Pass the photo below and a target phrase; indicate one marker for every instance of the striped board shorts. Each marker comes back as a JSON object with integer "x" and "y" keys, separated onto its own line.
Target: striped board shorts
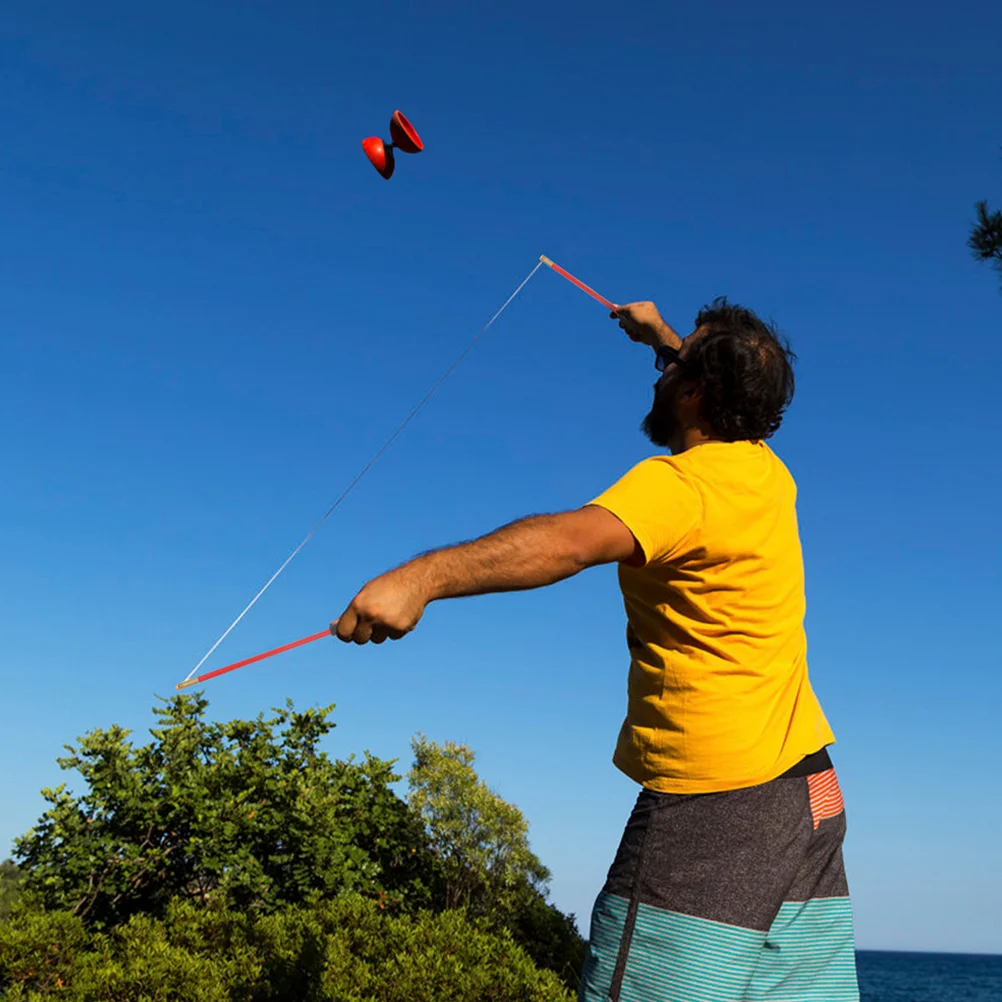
{"x": 728, "y": 897}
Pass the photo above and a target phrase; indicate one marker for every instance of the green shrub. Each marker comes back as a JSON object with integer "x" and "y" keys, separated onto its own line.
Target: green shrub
{"x": 39, "y": 950}
{"x": 345, "y": 950}
{"x": 11, "y": 879}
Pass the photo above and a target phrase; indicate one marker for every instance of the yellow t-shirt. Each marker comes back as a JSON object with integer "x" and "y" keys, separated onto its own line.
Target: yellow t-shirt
{"x": 718, "y": 693}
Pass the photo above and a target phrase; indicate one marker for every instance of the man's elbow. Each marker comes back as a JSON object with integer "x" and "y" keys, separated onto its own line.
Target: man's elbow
{"x": 596, "y": 536}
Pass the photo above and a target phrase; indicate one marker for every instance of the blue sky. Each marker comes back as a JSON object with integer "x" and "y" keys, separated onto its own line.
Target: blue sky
{"x": 214, "y": 311}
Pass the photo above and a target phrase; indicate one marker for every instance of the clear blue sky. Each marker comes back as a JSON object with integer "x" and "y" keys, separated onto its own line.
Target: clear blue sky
{"x": 213, "y": 310}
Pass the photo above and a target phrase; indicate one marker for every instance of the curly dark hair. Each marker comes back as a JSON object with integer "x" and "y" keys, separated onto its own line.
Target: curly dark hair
{"x": 746, "y": 368}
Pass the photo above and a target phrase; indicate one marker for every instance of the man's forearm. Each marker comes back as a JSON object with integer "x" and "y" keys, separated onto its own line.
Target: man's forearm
{"x": 530, "y": 553}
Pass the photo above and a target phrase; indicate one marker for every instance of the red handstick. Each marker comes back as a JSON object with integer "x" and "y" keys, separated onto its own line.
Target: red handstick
{"x": 250, "y": 661}
{"x": 585, "y": 288}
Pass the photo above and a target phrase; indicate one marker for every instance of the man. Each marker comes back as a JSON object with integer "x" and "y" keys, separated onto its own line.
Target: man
{"x": 728, "y": 884}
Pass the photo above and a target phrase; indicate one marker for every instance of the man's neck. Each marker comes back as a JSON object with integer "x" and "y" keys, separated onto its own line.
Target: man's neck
{"x": 691, "y": 437}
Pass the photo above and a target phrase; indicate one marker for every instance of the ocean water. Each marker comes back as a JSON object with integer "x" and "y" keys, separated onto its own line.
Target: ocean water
{"x": 929, "y": 977}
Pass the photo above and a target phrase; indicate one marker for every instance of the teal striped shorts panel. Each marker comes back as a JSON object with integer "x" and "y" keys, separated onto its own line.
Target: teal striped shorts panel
{"x": 727, "y": 897}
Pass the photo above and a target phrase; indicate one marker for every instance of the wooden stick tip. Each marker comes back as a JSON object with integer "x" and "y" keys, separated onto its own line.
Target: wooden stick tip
{"x": 185, "y": 684}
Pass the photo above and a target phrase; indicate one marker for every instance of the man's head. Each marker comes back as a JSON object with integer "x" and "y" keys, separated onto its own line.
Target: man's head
{"x": 733, "y": 381}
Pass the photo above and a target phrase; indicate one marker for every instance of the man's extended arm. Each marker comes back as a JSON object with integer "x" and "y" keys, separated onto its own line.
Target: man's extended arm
{"x": 530, "y": 553}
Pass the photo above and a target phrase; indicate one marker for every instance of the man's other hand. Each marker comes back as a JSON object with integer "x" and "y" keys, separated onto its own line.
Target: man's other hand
{"x": 387, "y": 608}
{"x": 644, "y": 324}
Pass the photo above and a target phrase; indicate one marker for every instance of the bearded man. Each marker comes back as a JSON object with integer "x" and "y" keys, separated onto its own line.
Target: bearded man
{"x": 728, "y": 884}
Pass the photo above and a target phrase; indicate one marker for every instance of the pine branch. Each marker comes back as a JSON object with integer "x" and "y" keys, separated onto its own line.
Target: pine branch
{"x": 985, "y": 240}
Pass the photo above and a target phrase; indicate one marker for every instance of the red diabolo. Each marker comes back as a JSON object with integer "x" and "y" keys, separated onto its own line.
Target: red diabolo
{"x": 403, "y": 137}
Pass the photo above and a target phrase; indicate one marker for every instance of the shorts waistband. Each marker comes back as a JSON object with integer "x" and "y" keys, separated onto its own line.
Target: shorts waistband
{"x": 820, "y": 761}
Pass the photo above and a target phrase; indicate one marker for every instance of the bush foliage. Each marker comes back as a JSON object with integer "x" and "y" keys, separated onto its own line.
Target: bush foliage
{"x": 226, "y": 861}
{"x": 343, "y": 950}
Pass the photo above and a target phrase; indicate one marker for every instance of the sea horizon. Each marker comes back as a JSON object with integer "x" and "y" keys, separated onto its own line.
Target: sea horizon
{"x": 934, "y": 953}
{"x": 928, "y": 976}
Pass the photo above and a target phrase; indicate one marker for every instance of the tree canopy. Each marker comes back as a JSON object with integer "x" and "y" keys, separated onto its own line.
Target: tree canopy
{"x": 248, "y": 814}
{"x": 480, "y": 841}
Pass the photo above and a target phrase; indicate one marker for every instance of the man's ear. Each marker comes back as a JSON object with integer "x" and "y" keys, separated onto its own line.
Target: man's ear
{"x": 689, "y": 402}
{"x": 690, "y": 393}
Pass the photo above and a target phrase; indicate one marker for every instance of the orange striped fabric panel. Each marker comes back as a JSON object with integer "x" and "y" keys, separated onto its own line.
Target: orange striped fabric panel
{"x": 826, "y": 796}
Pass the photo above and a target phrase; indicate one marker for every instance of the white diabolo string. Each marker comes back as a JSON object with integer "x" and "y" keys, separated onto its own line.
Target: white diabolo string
{"x": 365, "y": 469}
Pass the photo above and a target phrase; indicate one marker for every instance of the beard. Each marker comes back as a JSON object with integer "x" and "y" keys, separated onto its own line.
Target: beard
{"x": 660, "y": 424}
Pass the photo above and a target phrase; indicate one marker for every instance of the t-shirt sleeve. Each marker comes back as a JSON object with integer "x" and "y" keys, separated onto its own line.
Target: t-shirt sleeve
{"x": 657, "y": 504}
